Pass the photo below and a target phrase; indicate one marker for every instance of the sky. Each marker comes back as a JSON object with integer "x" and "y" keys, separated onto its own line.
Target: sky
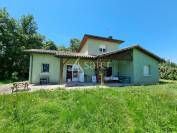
{"x": 149, "y": 23}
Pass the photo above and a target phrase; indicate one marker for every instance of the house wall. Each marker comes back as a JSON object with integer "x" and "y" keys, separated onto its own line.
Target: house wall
{"x": 36, "y": 61}
{"x": 87, "y": 65}
{"x": 91, "y": 47}
{"x": 84, "y": 49}
{"x": 139, "y": 60}
{"x": 125, "y": 68}
{"x": 114, "y": 65}
{"x": 133, "y": 69}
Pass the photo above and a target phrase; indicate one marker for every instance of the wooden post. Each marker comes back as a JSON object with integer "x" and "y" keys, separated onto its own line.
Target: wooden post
{"x": 102, "y": 73}
{"x": 61, "y": 70}
{"x": 100, "y": 70}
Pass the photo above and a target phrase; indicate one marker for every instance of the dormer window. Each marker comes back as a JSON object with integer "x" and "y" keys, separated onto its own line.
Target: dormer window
{"x": 102, "y": 49}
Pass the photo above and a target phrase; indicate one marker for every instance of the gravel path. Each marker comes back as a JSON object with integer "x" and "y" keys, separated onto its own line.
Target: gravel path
{"x": 5, "y": 89}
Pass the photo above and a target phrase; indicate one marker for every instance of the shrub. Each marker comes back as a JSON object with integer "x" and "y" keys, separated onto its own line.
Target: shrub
{"x": 14, "y": 76}
{"x": 168, "y": 70}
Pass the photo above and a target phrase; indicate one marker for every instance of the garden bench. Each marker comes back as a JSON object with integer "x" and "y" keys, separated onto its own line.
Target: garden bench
{"x": 20, "y": 86}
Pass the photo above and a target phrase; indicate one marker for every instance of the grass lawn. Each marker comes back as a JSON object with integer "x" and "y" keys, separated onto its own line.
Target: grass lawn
{"x": 138, "y": 109}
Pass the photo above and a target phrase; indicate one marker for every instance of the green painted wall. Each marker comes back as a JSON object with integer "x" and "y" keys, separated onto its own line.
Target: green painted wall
{"x": 38, "y": 60}
{"x": 114, "y": 65}
{"x": 139, "y": 60}
{"x": 125, "y": 68}
{"x": 92, "y": 46}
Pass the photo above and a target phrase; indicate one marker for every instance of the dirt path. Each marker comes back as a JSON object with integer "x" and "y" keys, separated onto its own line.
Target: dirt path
{"x": 5, "y": 89}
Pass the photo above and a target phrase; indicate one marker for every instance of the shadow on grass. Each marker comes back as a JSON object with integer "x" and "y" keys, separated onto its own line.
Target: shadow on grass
{"x": 163, "y": 81}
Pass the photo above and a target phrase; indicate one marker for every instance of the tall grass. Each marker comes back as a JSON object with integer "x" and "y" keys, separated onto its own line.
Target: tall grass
{"x": 122, "y": 109}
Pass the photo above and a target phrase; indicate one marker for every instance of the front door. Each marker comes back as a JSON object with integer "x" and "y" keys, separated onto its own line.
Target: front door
{"x": 69, "y": 73}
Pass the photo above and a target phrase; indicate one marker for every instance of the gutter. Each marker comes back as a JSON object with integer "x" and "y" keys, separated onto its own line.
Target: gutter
{"x": 31, "y": 68}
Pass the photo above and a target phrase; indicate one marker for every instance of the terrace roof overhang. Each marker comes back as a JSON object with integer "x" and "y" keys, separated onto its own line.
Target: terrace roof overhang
{"x": 120, "y": 54}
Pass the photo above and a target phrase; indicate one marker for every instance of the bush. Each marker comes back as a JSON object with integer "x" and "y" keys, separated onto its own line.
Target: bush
{"x": 168, "y": 70}
{"x": 14, "y": 76}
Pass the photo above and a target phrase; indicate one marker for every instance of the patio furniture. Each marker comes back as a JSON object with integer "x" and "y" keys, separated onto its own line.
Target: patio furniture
{"x": 111, "y": 79}
{"x": 44, "y": 78}
{"x": 19, "y": 86}
{"x": 124, "y": 79}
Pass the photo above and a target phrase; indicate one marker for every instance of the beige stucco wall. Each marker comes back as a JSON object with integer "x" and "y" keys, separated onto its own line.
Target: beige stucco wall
{"x": 91, "y": 47}
{"x": 36, "y": 61}
{"x": 84, "y": 49}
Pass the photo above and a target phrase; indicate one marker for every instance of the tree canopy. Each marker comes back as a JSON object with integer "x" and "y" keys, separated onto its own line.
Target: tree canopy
{"x": 73, "y": 46}
{"x": 168, "y": 70}
{"x": 16, "y": 36}
{"x": 50, "y": 45}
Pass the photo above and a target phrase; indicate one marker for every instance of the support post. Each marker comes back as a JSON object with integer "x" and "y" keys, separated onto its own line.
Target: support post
{"x": 61, "y": 70}
{"x": 102, "y": 74}
{"x": 100, "y": 70}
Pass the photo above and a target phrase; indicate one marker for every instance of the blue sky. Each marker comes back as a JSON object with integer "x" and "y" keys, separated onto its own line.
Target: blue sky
{"x": 150, "y": 23}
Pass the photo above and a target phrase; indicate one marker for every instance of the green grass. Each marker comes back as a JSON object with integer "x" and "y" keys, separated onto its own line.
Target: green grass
{"x": 123, "y": 109}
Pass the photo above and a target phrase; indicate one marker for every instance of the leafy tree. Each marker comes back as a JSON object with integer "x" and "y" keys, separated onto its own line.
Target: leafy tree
{"x": 168, "y": 70}
{"x": 63, "y": 48}
{"x": 8, "y": 42}
{"x": 15, "y": 36}
{"x": 50, "y": 45}
{"x": 74, "y": 45}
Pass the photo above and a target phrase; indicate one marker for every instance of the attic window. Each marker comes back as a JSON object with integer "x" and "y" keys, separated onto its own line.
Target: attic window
{"x": 102, "y": 49}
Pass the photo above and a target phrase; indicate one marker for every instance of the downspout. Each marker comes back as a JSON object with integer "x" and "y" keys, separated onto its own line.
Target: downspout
{"x": 31, "y": 68}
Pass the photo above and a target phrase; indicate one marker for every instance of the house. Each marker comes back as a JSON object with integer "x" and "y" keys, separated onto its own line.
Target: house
{"x": 98, "y": 59}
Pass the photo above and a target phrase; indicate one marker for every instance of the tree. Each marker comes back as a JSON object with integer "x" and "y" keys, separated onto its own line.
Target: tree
{"x": 168, "y": 70}
{"x": 8, "y": 43}
{"x": 74, "y": 45}
{"x": 62, "y": 48}
{"x": 50, "y": 45}
{"x": 16, "y": 36}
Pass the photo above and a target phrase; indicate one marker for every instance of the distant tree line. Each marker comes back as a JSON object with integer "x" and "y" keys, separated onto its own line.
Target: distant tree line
{"x": 168, "y": 70}
{"x": 15, "y": 37}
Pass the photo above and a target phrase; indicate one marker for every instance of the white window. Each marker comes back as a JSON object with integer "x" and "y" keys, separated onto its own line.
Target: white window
{"x": 146, "y": 70}
{"x": 102, "y": 49}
